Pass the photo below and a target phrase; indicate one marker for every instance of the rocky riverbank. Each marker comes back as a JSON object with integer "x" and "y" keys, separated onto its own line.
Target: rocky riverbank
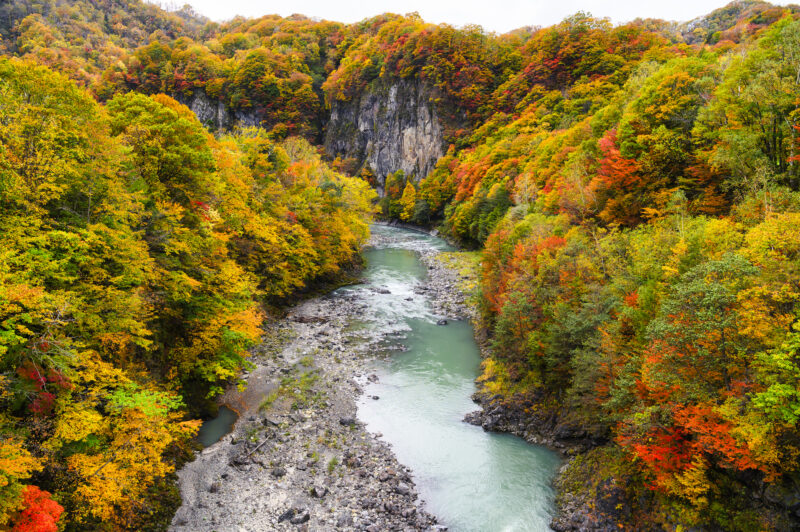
{"x": 298, "y": 458}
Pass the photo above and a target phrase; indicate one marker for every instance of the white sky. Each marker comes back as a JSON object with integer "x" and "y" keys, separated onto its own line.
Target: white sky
{"x": 494, "y": 15}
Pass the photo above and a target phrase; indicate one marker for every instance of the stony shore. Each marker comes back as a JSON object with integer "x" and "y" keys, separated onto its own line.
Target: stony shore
{"x": 306, "y": 462}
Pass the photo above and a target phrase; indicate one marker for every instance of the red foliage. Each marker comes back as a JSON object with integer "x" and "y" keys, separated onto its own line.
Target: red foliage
{"x": 202, "y": 208}
{"x": 632, "y": 299}
{"x": 712, "y": 435}
{"x": 40, "y": 513}
{"x": 46, "y": 382}
{"x": 618, "y": 172}
{"x": 665, "y": 451}
{"x": 469, "y": 176}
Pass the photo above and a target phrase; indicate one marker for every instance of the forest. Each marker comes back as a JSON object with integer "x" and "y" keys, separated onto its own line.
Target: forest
{"x": 634, "y": 190}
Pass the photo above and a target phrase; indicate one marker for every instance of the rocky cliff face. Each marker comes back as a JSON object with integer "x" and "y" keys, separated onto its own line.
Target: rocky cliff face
{"x": 390, "y": 128}
{"x": 215, "y": 115}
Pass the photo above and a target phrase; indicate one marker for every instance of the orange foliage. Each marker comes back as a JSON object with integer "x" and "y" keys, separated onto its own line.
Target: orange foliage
{"x": 617, "y": 172}
{"x": 711, "y": 434}
{"x": 40, "y": 513}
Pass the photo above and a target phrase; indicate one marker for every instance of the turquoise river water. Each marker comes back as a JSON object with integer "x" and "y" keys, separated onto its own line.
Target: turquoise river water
{"x": 470, "y": 479}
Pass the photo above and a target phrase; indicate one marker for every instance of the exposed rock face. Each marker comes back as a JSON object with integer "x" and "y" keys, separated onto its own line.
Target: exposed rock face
{"x": 214, "y": 114}
{"x": 390, "y": 128}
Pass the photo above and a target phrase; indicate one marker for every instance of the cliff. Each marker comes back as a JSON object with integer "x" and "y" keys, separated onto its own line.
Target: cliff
{"x": 216, "y": 115}
{"x": 388, "y": 128}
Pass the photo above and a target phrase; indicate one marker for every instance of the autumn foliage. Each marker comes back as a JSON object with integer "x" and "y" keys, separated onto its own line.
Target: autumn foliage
{"x": 140, "y": 254}
{"x": 634, "y": 190}
{"x": 40, "y": 513}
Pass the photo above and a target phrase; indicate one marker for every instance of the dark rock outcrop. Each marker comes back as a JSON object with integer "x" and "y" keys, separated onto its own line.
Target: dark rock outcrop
{"x": 542, "y": 426}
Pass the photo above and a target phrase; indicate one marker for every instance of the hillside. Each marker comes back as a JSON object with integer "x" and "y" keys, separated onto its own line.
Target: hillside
{"x": 634, "y": 191}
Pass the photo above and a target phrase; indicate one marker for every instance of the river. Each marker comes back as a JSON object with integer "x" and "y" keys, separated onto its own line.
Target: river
{"x": 470, "y": 479}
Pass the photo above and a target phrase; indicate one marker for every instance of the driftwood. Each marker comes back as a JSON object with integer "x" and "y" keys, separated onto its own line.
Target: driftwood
{"x": 257, "y": 447}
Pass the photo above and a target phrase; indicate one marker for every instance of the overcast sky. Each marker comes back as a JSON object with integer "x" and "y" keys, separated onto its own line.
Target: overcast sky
{"x": 494, "y": 15}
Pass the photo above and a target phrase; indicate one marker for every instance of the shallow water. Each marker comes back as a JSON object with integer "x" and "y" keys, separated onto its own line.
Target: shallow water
{"x": 214, "y": 429}
{"x": 470, "y": 479}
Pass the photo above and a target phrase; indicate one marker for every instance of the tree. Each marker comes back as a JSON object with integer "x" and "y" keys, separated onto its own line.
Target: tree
{"x": 40, "y": 513}
{"x": 408, "y": 201}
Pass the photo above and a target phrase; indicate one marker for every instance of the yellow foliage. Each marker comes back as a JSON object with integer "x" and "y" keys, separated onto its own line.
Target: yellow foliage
{"x": 75, "y": 422}
{"x": 679, "y": 250}
{"x": 693, "y": 484}
{"x": 115, "y": 479}
{"x": 408, "y": 201}
{"x": 16, "y": 463}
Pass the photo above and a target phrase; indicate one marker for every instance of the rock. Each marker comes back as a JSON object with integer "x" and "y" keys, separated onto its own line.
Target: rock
{"x": 302, "y": 517}
{"x": 214, "y": 487}
{"x": 344, "y": 520}
{"x": 270, "y": 421}
{"x": 278, "y": 472}
{"x": 388, "y": 128}
{"x": 309, "y": 319}
{"x": 318, "y": 491}
{"x": 209, "y": 112}
{"x": 402, "y": 488}
{"x": 239, "y": 460}
{"x": 347, "y": 421}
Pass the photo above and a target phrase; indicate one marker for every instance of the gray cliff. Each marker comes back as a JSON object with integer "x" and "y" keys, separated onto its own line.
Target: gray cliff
{"x": 394, "y": 127}
{"x": 215, "y": 115}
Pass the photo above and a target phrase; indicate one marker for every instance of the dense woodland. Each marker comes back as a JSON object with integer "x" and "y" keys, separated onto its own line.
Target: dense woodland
{"x": 635, "y": 190}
